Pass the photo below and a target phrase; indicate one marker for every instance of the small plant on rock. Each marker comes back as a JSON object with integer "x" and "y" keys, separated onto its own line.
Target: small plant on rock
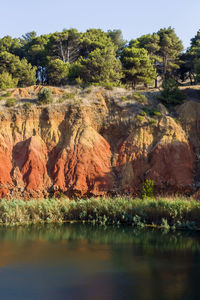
{"x": 140, "y": 98}
{"x": 140, "y": 118}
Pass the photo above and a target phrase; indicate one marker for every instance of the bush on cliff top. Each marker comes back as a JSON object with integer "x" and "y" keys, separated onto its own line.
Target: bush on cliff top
{"x": 45, "y": 96}
{"x": 170, "y": 94}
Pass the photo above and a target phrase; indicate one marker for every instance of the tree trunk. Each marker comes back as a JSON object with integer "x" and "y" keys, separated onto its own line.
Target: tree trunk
{"x": 164, "y": 67}
{"x": 156, "y": 83}
{"x": 62, "y": 52}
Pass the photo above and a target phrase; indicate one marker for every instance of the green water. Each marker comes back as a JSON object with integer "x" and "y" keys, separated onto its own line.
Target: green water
{"x": 75, "y": 261}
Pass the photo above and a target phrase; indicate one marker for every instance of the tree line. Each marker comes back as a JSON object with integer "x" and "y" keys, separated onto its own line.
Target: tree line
{"x": 97, "y": 57}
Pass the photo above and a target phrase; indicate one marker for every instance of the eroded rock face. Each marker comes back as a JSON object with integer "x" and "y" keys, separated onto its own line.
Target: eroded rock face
{"x": 83, "y": 165}
{"x": 30, "y": 166}
{"x": 91, "y": 150}
{"x": 160, "y": 153}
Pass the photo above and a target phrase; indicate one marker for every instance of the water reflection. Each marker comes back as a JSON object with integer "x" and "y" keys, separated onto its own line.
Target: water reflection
{"x": 76, "y": 261}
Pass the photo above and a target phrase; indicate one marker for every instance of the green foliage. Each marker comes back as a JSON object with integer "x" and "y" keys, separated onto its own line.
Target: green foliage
{"x": 176, "y": 213}
{"x": 117, "y": 39}
{"x": 190, "y": 61}
{"x": 46, "y": 58}
{"x": 124, "y": 98}
{"x": 170, "y": 94}
{"x": 150, "y": 42}
{"x": 69, "y": 95}
{"x": 10, "y": 102}
{"x": 7, "y": 94}
{"x": 45, "y": 96}
{"x": 140, "y": 118}
{"x": 164, "y": 48}
{"x": 64, "y": 45}
{"x": 100, "y": 67}
{"x": 139, "y": 98}
{"x": 8, "y": 44}
{"x": 108, "y": 86}
{"x": 36, "y": 50}
{"x": 7, "y": 81}
{"x": 152, "y": 112}
{"x": 79, "y": 81}
{"x": 152, "y": 121}
{"x": 57, "y": 72}
{"x": 20, "y": 70}
{"x": 138, "y": 66}
{"x": 143, "y": 113}
{"x": 147, "y": 189}
{"x": 87, "y": 90}
{"x": 28, "y": 37}
{"x": 27, "y": 105}
{"x": 165, "y": 224}
{"x": 170, "y": 49}
{"x": 196, "y": 63}
{"x": 157, "y": 113}
{"x": 94, "y": 39}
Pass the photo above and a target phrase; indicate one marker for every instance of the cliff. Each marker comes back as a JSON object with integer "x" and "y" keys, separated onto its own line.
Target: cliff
{"x": 95, "y": 144}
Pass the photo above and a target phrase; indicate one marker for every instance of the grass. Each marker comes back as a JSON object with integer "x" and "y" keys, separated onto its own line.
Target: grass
{"x": 27, "y": 105}
{"x": 7, "y": 94}
{"x": 10, "y": 102}
{"x": 140, "y": 118}
{"x": 167, "y": 213}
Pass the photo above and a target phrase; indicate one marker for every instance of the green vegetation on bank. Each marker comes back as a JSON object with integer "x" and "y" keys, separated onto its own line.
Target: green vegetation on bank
{"x": 168, "y": 213}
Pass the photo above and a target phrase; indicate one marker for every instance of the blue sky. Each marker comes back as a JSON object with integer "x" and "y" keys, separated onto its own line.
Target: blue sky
{"x": 134, "y": 18}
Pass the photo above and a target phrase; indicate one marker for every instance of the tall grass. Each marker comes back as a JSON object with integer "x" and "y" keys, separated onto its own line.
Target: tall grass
{"x": 166, "y": 212}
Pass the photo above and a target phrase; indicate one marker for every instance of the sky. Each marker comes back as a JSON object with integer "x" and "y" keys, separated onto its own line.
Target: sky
{"x": 134, "y": 18}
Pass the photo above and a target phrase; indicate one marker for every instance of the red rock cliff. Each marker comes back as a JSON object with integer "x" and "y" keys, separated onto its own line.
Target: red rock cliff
{"x": 92, "y": 149}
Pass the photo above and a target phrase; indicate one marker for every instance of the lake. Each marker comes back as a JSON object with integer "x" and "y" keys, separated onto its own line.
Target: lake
{"x": 78, "y": 261}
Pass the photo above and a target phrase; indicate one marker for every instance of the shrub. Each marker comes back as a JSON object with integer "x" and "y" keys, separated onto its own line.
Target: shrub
{"x": 67, "y": 96}
{"x": 143, "y": 113}
{"x": 27, "y": 105}
{"x": 79, "y": 81}
{"x": 108, "y": 86}
{"x": 147, "y": 189}
{"x": 8, "y": 94}
{"x": 124, "y": 98}
{"x": 70, "y": 95}
{"x": 88, "y": 90}
{"x": 151, "y": 112}
{"x": 45, "y": 96}
{"x": 156, "y": 113}
{"x": 11, "y": 102}
{"x": 137, "y": 96}
{"x": 140, "y": 118}
{"x": 170, "y": 94}
{"x": 152, "y": 121}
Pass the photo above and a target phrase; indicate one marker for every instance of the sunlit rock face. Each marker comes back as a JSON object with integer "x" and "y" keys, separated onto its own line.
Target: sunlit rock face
{"x": 97, "y": 148}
